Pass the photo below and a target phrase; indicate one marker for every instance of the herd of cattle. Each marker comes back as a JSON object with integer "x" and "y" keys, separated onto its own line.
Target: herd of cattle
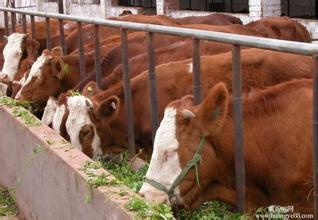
{"x": 277, "y": 105}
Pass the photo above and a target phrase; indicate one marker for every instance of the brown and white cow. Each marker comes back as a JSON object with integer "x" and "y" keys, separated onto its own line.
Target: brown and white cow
{"x": 52, "y": 74}
{"x": 260, "y": 68}
{"x": 15, "y": 50}
{"x": 18, "y": 48}
{"x": 277, "y": 142}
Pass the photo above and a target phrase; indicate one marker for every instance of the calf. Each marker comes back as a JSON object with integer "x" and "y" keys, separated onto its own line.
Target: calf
{"x": 260, "y": 68}
{"x": 277, "y": 142}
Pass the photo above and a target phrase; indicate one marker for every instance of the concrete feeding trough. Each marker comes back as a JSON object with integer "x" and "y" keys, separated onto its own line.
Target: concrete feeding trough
{"x": 45, "y": 174}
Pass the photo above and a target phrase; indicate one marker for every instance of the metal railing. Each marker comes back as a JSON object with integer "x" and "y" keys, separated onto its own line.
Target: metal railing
{"x": 236, "y": 40}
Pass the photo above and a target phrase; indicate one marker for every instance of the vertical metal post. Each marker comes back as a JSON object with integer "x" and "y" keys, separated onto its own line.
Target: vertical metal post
{"x": 48, "y": 34}
{"x": 196, "y": 63}
{"x": 60, "y": 6}
{"x": 152, "y": 85}
{"x": 238, "y": 128}
{"x": 24, "y": 24}
{"x": 128, "y": 96}
{"x": 98, "y": 69}
{"x": 13, "y": 22}
{"x": 6, "y": 23}
{"x": 81, "y": 50}
{"x": 62, "y": 36}
{"x": 288, "y": 8}
{"x": 315, "y": 134}
{"x": 32, "y": 27}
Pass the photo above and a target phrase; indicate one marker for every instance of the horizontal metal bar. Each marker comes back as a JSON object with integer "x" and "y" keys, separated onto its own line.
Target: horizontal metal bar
{"x": 242, "y": 40}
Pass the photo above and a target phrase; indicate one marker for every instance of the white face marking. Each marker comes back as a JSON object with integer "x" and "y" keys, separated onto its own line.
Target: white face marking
{"x": 164, "y": 164}
{"x": 58, "y": 117}
{"x": 190, "y": 67}
{"x": 77, "y": 118}
{"x": 49, "y": 111}
{"x": 36, "y": 71}
{"x": 12, "y": 54}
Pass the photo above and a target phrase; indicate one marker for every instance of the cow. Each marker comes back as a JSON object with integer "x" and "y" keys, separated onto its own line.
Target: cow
{"x": 277, "y": 142}
{"x": 52, "y": 74}
{"x": 18, "y": 47}
{"x": 106, "y": 109}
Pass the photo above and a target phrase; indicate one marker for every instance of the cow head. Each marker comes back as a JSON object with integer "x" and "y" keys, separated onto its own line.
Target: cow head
{"x": 176, "y": 142}
{"x": 45, "y": 78}
{"x": 90, "y": 126}
{"x": 18, "y": 47}
{"x": 80, "y": 127}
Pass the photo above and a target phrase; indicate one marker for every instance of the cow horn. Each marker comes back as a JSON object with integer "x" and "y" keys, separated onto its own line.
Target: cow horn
{"x": 187, "y": 114}
{"x": 5, "y": 36}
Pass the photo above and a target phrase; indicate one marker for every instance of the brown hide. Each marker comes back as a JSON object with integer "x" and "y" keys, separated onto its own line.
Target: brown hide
{"x": 281, "y": 28}
{"x": 261, "y": 68}
{"x": 212, "y": 19}
{"x": 183, "y": 50}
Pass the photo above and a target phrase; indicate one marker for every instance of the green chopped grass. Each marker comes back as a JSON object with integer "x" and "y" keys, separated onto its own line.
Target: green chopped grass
{"x": 148, "y": 210}
{"x": 19, "y": 110}
{"x": 7, "y": 206}
{"x": 4, "y": 100}
{"x": 29, "y": 119}
{"x": 96, "y": 180}
{"x": 123, "y": 172}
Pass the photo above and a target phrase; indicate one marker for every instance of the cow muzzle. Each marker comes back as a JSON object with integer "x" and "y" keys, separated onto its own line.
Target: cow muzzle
{"x": 152, "y": 194}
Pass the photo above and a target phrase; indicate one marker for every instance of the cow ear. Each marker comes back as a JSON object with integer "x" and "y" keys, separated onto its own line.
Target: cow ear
{"x": 32, "y": 47}
{"x": 109, "y": 108}
{"x": 90, "y": 89}
{"x": 212, "y": 111}
{"x": 57, "y": 67}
